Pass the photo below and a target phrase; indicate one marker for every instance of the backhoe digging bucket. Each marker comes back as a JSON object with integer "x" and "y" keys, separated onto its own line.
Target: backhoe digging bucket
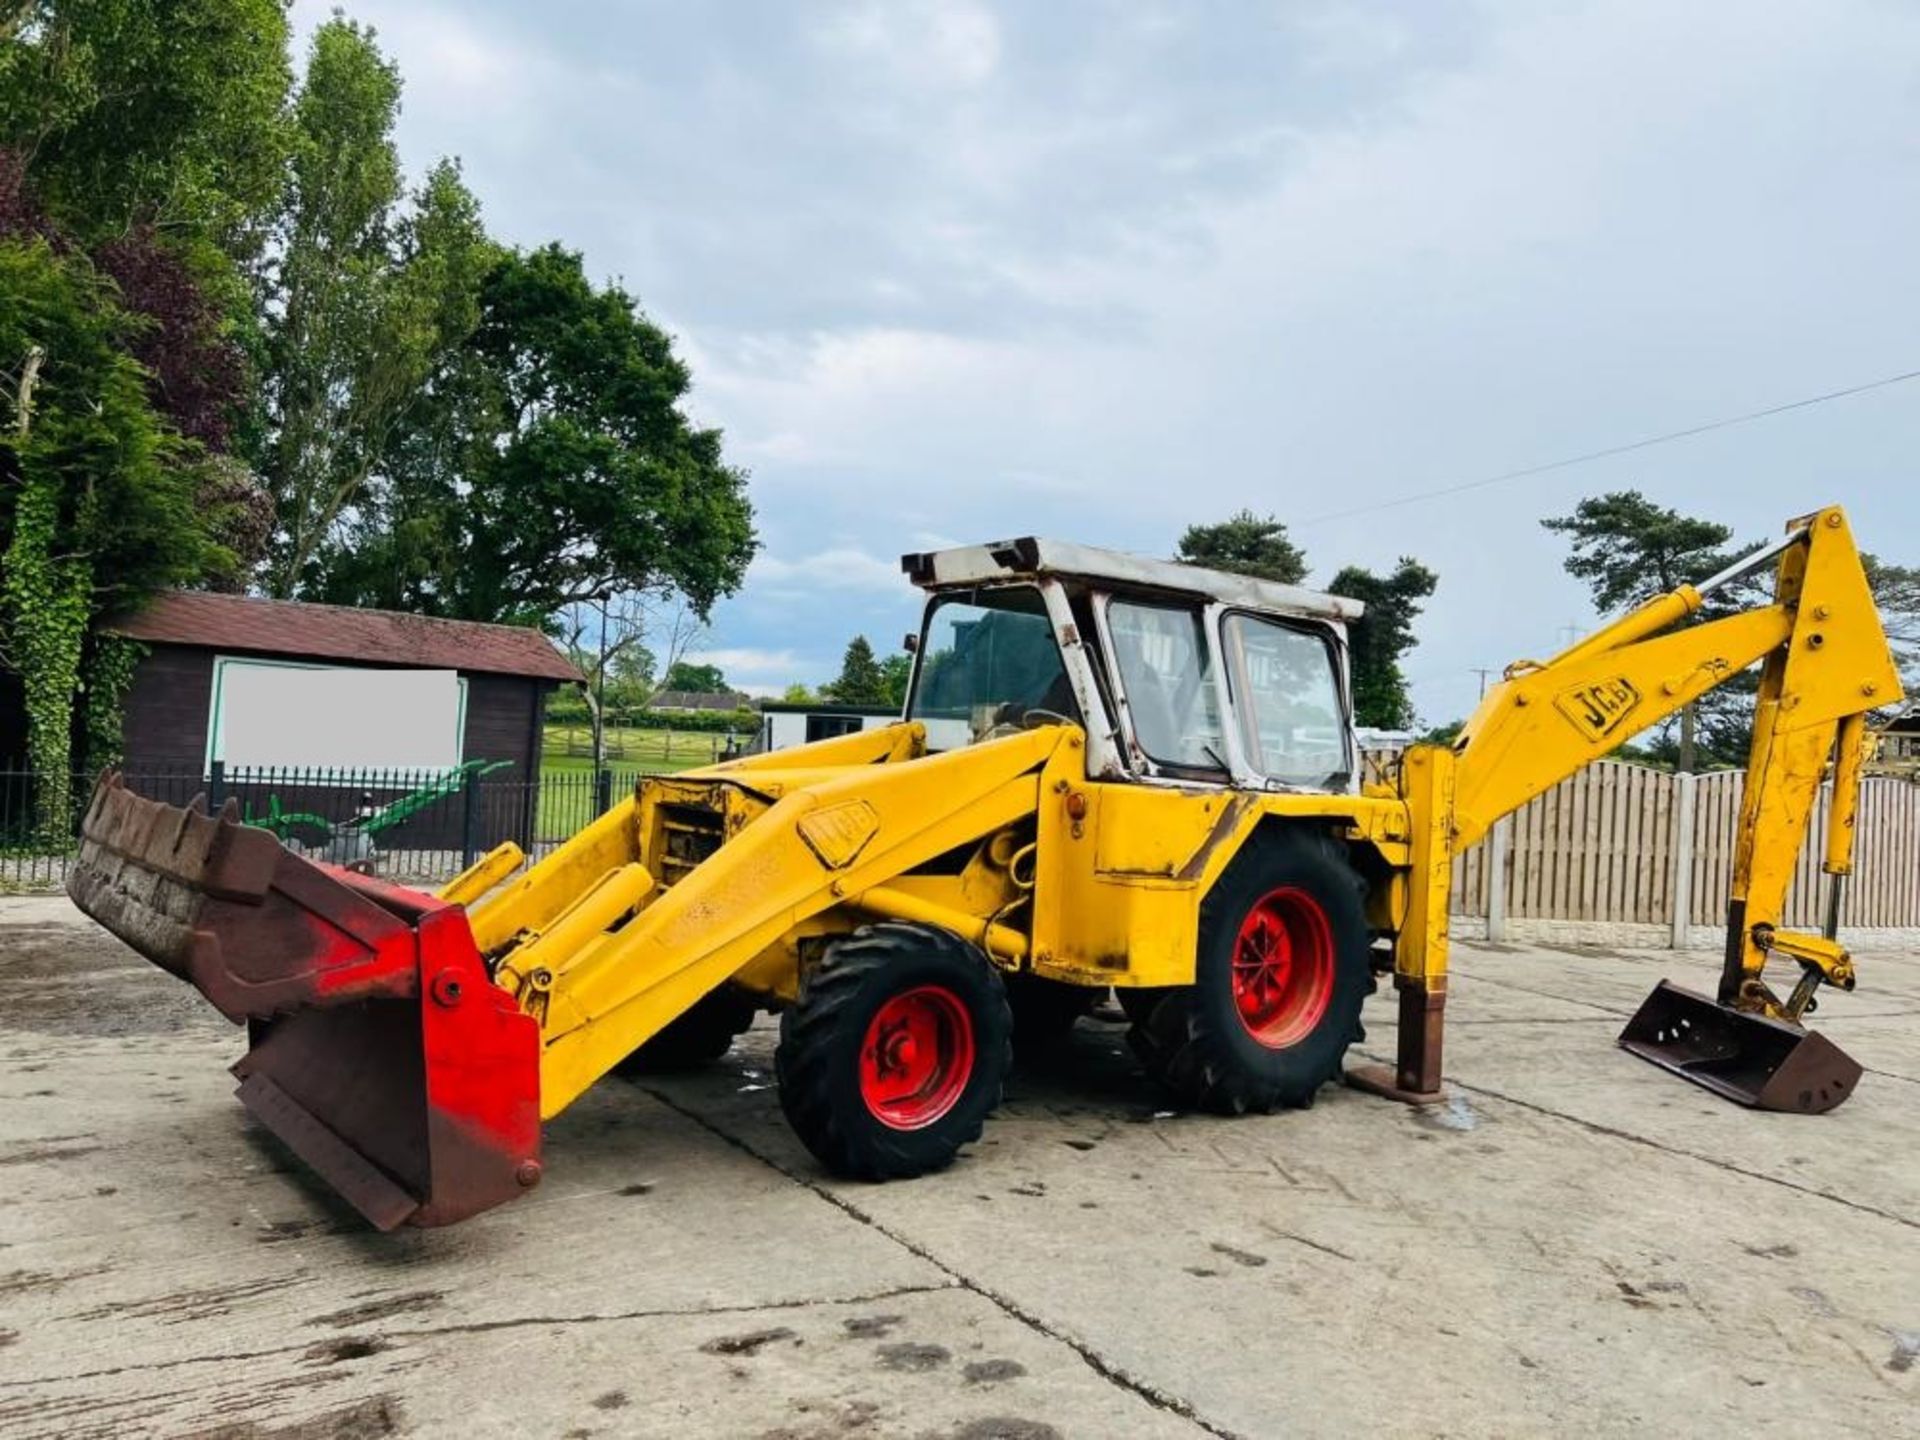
{"x": 1752, "y": 1059}
{"x": 381, "y": 1053}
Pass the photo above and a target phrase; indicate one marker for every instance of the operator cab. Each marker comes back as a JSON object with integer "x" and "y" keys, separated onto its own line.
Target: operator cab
{"x": 1177, "y": 674}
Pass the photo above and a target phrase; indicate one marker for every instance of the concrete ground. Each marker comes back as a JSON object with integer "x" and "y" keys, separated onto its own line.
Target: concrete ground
{"x": 1576, "y": 1243}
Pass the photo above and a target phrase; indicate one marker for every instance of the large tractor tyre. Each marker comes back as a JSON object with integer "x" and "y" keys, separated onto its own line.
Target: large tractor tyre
{"x": 895, "y": 1052}
{"x": 1279, "y": 979}
{"x": 1137, "y": 1002}
{"x": 699, "y": 1037}
{"x": 1044, "y": 1011}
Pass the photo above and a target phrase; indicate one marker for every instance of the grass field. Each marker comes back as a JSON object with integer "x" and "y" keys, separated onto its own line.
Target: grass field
{"x": 567, "y": 799}
{"x": 654, "y": 752}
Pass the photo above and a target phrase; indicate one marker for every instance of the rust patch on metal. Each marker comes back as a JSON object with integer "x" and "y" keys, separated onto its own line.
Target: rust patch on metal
{"x": 1223, "y": 827}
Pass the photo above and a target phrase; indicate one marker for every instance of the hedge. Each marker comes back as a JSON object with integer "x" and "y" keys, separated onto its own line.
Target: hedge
{"x": 723, "y": 722}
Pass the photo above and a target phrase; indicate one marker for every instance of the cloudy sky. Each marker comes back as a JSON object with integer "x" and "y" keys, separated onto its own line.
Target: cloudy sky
{"x": 953, "y": 271}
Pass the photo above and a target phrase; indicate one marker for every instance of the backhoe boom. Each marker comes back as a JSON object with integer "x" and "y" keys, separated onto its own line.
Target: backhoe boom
{"x": 1825, "y": 664}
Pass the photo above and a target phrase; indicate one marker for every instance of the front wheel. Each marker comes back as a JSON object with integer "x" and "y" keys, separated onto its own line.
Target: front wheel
{"x": 699, "y": 1037}
{"x": 1045, "y": 1011}
{"x": 895, "y": 1052}
{"x": 1279, "y": 979}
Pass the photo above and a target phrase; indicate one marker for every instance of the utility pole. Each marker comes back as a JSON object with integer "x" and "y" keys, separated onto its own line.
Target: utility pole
{"x": 1483, "y": 671}
{"x": 600, "y": 694}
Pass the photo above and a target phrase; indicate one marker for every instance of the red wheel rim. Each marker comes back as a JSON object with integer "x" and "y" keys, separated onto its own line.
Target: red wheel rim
{"x": 1283, "y": 967}
{"x": 917, "y": 1057}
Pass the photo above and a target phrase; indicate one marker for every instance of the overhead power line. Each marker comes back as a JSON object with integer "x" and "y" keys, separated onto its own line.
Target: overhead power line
{"x": 1611, "y": 450}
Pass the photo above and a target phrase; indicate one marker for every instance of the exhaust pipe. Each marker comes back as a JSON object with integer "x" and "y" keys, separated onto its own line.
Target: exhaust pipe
{"x": 381, "y": 1052}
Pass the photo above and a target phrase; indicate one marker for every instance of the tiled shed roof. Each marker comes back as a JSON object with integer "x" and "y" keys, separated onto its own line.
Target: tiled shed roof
{"x": 343, "y": 632}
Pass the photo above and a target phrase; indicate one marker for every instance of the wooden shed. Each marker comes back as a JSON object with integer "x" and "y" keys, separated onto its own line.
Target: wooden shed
{"x": 180, "y": 708}
{"x": 235, "y": 685}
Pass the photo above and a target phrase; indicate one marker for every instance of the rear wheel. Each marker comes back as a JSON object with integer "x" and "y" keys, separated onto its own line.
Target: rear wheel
{"x": 1044, "y": 1011}
{"x": 699, "y": 1037}
{"x": 895, "y": 1052}
{"x": 1137, "y": 1002}
{"x": 1280, "y": 977}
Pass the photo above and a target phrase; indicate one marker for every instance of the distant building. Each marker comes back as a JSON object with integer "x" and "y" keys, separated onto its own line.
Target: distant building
{"x": 1899, "y": 749}
{"x": 784, "y": 725}
{"x": 1389, "y": 742}
{"x": 696, "y": 700}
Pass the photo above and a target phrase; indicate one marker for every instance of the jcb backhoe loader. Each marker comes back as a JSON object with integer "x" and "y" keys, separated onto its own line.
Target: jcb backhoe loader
{"x": 1112, "y": 772}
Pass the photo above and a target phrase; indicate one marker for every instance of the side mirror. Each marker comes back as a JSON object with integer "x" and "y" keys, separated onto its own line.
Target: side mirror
{"x": 910, "y": 643}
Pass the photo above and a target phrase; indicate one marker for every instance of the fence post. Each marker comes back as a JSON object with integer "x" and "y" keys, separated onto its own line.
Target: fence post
{"x": 470, "y": 818}
{"x": 216, "y": 786}
{"x": 1497, "y": 841}
{"x": 602, "y": 790}
{"x": 1683, "y": 804}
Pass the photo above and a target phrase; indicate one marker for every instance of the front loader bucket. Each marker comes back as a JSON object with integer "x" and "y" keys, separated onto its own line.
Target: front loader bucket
{"x": 1752, "y": 1059}
{"x": 381, "y": 1052}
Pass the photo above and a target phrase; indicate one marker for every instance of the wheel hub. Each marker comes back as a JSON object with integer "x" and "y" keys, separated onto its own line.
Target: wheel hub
{"x": 917, "y": 1057}
{"x": 1283, "y": 967}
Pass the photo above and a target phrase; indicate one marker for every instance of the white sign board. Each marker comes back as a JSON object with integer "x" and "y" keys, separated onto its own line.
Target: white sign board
{"x": 277, "y": 714}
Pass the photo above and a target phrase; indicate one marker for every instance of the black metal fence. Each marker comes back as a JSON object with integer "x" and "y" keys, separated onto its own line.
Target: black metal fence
{"x": 419, "y": 825}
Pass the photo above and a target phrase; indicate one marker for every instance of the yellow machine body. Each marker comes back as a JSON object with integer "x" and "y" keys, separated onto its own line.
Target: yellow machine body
{"x": 1054, "y": 845}
{"x": 731, "y": 873}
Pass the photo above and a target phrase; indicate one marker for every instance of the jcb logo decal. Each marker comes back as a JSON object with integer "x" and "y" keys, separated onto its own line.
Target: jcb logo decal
{"x": 1598, "y": 709}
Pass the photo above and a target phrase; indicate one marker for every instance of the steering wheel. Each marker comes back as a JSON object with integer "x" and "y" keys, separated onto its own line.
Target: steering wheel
{"x": 1037, "y": 716}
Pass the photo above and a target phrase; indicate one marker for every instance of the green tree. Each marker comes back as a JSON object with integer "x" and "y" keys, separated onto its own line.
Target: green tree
{"x": 797, "y": 694}
{"x": 135, "y": 113}
{"x": 96, "y": 508}
{"x": 695, "y": 679}
{"x": 861, "y": 680}
{"x": 633, "y": 670}
{"x": 1629, "y": 550}
{"x": 1896, "y": 590}
{"x": 361, "y": 302}
{"x": 1246, "y": 544}
{"x": 559, "y": 467}
{"x": 139, "y": 145}
{"x": 896, "y": 671}
{"x": 1381, "y": 637}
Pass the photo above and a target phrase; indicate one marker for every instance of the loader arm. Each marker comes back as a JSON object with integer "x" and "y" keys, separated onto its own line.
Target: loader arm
{"x": 1825, "y": 664}
{"x": 807, "y": 840}
{"x": 408, "y": 1046}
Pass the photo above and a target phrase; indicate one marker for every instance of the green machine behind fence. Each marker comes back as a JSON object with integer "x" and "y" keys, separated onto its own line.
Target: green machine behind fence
{"x": 353, "y": 842}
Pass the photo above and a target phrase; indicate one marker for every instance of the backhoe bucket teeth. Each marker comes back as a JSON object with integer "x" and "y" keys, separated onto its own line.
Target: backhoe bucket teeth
{"x": 1751, "y": 1059}
{"x": 381, "y": 1052}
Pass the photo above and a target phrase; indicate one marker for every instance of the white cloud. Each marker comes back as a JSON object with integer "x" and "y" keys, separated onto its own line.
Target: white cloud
{"x": 746, "y": 660}
{"x": 1104, "y": 270}
{"x": 844, "y": 568}
{"x": 914, "y": 43}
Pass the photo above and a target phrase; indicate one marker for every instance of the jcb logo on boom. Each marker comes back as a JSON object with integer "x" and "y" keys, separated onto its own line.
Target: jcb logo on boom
{"x": 1598, "y": 709}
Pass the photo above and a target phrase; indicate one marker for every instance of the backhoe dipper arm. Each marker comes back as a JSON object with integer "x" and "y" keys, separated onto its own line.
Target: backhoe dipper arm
{"x": 1826, "y": 664}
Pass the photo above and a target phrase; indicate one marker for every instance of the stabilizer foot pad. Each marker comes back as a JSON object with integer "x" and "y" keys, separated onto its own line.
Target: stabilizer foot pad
{"x": 1384, "y": 1081}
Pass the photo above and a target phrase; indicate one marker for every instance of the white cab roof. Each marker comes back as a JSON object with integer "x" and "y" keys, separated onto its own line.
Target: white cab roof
{"x": 999, "y": 561}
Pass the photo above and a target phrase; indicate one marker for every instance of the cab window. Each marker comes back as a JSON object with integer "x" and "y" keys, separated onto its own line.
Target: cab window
{"x": 1286, "y": 691}
{"x": 1166, "y": 674}
{"x": 989, "y": 663}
